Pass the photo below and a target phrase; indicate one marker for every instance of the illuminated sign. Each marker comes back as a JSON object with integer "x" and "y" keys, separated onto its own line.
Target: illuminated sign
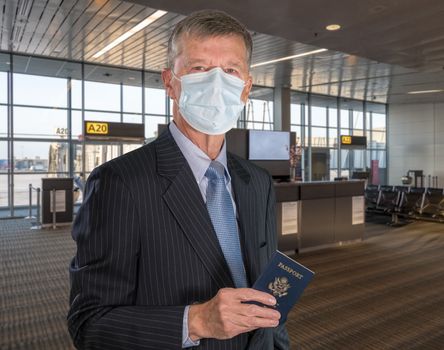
{"x": 346, "y": 140}
{"x": 96, "y": 128}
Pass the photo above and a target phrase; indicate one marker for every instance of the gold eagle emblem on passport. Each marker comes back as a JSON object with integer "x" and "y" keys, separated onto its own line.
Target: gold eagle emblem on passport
{"x": 279, "y": 287}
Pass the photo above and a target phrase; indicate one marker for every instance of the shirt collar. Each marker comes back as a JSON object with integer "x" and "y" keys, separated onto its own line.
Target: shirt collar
{"x": 197, "y": 159}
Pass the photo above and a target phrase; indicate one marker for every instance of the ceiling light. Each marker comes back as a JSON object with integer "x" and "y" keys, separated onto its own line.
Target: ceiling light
{"x": 424, "y": 92}
{"x": 333, "y": 27}
{"x": 146, "y": 22}
{"x": 288, "y": 58}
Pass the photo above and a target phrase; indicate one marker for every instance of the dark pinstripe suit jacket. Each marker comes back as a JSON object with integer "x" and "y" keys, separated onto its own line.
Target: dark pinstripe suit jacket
{"x": 146, "y": 248}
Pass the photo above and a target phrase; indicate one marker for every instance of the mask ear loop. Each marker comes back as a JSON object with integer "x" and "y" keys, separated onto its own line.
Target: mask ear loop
{"x": 178, "y": 79}
{"x": 175, "y": 76}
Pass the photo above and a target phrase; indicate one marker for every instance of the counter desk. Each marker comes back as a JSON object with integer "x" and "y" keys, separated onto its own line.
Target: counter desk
{"x": 313, "y": 215}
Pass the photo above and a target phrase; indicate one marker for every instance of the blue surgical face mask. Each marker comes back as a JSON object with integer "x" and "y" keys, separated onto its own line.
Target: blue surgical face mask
{"x": 211, "y": 101}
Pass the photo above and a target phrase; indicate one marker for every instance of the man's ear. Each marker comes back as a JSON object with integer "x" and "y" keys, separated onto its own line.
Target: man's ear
{"x": 167, "y": 77}
{"x": 247, "y": 89}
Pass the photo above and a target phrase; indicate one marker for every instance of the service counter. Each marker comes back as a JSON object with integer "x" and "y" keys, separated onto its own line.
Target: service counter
{"x": 312, "y": 215}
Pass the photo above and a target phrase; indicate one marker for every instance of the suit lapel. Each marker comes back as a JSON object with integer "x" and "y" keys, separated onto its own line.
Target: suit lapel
{"x": 182, "y": 196}
{"x": 245, "y": 203}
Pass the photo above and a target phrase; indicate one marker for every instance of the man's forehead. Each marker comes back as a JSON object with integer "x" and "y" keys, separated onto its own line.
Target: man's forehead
{"x": 200, "y": 38}
{"x": 199, "y": 41}
{"x": 205, "y": 36}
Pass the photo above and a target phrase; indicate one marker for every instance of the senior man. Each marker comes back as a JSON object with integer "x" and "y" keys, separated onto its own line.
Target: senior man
{"x": 171, "y": 236}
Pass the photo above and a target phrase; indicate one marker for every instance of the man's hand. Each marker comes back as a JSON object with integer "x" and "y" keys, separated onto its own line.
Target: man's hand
{"x": 225, "y": 316}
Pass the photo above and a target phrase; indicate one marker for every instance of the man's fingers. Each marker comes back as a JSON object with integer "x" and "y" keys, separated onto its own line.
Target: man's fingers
{"x": 248, "y": 323}
{"x": 249, "y": 294}
{"x": 251, "y": 310}
{"x": 229, "y": 303}
{"x": 229, "y": 314}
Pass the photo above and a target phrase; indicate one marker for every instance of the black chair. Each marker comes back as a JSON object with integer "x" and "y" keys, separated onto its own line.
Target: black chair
{"x": 402, "y": 188}
{"x": 371, "y": 195}
{"x": 388, "y": 199}
{"x": 411, "y": 202}
{"x": 433, "y": 204}
{"x": 388, "y": 202}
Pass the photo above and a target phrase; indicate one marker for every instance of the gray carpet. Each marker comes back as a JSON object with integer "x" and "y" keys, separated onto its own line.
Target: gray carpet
{"x": 384, "y": 293}
{"x": 33, "y": 286}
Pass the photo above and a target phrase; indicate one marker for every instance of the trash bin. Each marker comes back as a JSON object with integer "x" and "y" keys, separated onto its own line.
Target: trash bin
{"x": 63, "y": 195}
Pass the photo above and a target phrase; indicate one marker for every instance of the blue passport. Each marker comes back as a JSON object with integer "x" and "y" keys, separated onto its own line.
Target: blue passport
{"x": 286, "y": 280}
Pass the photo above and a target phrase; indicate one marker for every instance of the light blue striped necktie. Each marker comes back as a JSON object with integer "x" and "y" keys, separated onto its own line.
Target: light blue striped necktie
{"x": 222, "y": 216}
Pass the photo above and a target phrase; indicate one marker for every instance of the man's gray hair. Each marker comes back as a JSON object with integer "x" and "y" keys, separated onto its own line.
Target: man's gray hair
{"x": 207, "y": 23}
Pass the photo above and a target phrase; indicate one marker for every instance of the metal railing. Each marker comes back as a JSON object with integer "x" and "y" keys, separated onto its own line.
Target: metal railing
{"x": 433, "y": 181}
{"x": 36, "y": 225}
{"x": 54, "y": 209}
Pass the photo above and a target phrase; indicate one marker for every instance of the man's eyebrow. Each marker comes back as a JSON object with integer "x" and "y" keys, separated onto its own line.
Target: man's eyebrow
{"x": 192, "y": 60}
{"x": 236, "y": 64}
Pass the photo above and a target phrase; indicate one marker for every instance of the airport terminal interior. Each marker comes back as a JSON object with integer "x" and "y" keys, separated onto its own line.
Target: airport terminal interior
{"x": 346, "y": 113}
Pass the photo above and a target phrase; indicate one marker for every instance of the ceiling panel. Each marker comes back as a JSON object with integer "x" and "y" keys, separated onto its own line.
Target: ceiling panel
{"x": 98, "y": 34}
{"x": 8, "y": 15}
{"x": 385, "y": 49}
{"x": 44, "y": 66}
{"x": 46, "y": 25}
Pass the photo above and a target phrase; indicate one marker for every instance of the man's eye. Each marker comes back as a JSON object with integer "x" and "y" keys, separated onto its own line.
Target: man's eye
{"x": 198, "y": 69}
{"x": 231, "y": 71}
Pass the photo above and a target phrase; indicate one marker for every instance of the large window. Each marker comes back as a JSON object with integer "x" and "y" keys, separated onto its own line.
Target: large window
{"x": 155, "y": 105}
{"x": 49, "y": 107}
{"x": 376, "y": 131}
{"x": 48, "y": 157}
{"x": 4, "y": 161}
{"x": 3, "y": 121}
{"x": 4, "y": 69}
{"x": 298, "y": 115}
{"x": 40, "y": 122}
{"x": 3, "y": 190}
{"x": 4, "y": 165}
{"x": 259, "y": 109}
{"x": 34, "y": 90}
{"x": 319, "y": 126}
{"x": 51, "y": 99}
{"x": 3, "y": 87}
{"x": 318, "y": 116}
{"x": 102, "y": 96}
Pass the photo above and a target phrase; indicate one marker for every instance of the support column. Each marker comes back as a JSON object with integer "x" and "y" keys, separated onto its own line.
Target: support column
{"x": 281, "y": 109}
{"x": 10, "y": 142}
{"x": 309, "y": 139}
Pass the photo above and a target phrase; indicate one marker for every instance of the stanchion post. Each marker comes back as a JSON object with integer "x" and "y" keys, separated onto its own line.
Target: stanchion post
{"x": 53, "y": 193}
{"x": 30, "y": 203}
{"x": 37, "y": 225}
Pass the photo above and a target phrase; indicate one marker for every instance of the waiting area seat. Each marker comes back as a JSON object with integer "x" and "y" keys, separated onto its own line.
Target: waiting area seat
{"x": 407, "y": 202}
{"x": 388, "y": 199}
{"x": 411, "y": 202}
{"x": 371, "y": 195}
{"x": 433, "y": 203}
